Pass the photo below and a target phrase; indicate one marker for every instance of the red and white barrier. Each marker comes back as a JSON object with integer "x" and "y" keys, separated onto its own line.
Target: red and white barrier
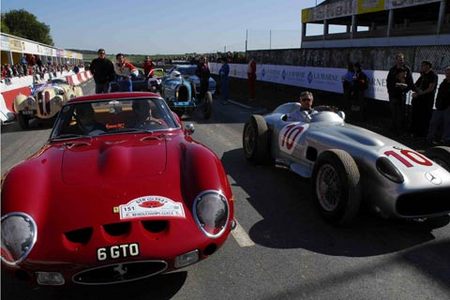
{"x": 12, "y": 87}
{"x": 5, "y": 114}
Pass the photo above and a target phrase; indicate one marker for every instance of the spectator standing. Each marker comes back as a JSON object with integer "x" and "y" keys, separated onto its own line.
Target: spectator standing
{"x": 203, "y": 73}
{"x": 251, "y": 76}
{"x": 423, "y": 99}
{"x": 148, "y": 67}
{"x": 124, "y": 71}
{"x": 103, "y": 71}
{"x": 347, "y": 86}
{"x": 441, "y": 116}
{"x": 360, "y": 85}
{"x": 224, "y": 80}
{"x": 399, "y": 81}
{"x": 76, "y": 69}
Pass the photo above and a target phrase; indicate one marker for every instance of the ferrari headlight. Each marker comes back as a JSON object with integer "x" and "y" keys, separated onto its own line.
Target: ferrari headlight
{"x": 19, "y": 233}
{"x": 388, "y": 170}
{"x": 211, "y": 213}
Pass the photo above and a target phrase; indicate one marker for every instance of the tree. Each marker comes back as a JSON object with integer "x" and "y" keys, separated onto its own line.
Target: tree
{"x": 24, "y": 24}
{"x": 4, "y": 28}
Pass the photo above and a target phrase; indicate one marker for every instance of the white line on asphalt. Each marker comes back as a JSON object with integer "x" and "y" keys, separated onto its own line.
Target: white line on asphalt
{"x": 241, "y": 236}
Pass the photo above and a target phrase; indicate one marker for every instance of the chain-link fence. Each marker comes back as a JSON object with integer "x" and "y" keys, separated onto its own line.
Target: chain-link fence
{"x": 379, "y": 58}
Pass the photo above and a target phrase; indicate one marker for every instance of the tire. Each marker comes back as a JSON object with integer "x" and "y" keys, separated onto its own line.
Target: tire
{"x": 23, "y": 121}
{"x": 440, "y": 155}
{"x": 336, "y": 186}
{"x": 255, "y": 140}
{"x": 207, "y": 106}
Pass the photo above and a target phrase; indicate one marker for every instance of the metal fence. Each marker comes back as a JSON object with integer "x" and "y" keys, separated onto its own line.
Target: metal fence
{"x": 379, "y": 58}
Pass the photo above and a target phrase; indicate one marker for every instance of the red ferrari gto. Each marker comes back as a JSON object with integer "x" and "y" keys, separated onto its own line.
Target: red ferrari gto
{"x": 119, "y": 192}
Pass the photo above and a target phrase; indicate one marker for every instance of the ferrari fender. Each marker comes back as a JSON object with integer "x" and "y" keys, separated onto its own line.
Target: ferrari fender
{"x": 201, "y": 170}
{"x": 27, "y": 188}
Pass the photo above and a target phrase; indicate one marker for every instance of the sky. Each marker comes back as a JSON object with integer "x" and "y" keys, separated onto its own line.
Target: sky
{"x": 168, "y": 26}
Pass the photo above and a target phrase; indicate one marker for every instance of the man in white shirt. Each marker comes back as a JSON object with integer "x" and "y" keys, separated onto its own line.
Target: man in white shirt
{"x": 306, "y": 101}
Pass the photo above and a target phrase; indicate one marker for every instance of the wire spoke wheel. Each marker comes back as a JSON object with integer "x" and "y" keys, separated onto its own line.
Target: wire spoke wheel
{"x": 255, "y": 140}
{"x": 328, "y": 187}
{"x": 249, "y": 140}
{"x": 336, "y": 186}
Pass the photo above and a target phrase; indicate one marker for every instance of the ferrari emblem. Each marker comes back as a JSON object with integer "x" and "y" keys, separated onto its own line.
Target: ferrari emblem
{"x": 115, "y": 209}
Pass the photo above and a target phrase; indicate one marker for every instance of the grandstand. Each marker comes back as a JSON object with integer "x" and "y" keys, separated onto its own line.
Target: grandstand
{"x": 372, "y": 23}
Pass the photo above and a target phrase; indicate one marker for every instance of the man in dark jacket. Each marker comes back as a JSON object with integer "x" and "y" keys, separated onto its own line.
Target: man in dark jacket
{"x": 203, "y": 74}
{"x": 441, "y": 116}
{"x": 360, "y": 84}
{"x": 103, "y": 71}
{"x": 399, "y": 82}
{"x": 423, "y": 99}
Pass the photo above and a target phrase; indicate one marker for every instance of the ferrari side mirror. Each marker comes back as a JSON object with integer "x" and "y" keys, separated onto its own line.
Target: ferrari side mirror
{"x": 189, "y": 128}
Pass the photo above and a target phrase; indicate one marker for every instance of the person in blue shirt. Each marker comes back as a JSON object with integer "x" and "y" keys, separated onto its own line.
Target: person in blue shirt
{"x": 347, "y": 85}
{"x": 223, "y": 73}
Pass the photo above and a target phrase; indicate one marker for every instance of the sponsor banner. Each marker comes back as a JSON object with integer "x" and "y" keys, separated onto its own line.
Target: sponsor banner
{"x": 46, "y": 51}
{"x": 30, "y": 48}
{"x": 392, "y": 4}
{"x": 4, "y": 43}
{"x": 15, "y": 45}
{"x": 369, "y": 6}
{"x": 332, "y": 10}
{"x": 307, "y": 15}
{"x": 324, "y": 79}
{"x": 60, "y": 52}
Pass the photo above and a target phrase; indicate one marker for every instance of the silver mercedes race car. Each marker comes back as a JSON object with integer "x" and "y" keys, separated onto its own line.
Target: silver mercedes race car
{"x": 348, "y": 165}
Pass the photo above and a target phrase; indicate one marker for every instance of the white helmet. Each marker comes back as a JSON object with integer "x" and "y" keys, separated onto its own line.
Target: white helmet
{"x": 175, "y": 74}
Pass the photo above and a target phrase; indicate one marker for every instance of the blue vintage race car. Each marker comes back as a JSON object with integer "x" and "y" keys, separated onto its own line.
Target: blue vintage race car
{"x": 181, "y": 93}
{"x": 188, "y": 72}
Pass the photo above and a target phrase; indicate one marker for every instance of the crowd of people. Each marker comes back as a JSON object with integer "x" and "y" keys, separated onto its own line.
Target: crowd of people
{"x": 33, "y": 65}
{"x": 418, "y": 120}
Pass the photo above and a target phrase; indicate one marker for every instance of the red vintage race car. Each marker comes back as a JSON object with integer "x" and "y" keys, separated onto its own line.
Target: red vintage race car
{"x": 119, "y": 192}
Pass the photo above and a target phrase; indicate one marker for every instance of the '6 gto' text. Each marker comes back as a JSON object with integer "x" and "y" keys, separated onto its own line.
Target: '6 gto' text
{"x": 117, "y": 251}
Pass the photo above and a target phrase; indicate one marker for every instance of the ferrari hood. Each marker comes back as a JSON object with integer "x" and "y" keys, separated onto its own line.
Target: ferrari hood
{"x": 101, "y": 162}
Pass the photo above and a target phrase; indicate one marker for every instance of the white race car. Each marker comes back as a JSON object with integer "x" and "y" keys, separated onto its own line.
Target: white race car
{"x": 349, "y": 164}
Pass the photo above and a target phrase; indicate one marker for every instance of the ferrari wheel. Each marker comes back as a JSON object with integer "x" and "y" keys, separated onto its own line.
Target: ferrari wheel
{"x": 23, "y": 121}
{"x": 336, "y": 186}
{"x": 255, "y": 140}
{"x": 440, "y": 155}
{"x": 207, "y": 108}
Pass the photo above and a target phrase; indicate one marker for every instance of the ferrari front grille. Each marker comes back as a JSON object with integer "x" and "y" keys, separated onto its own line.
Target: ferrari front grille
{"x": 79, "y": 236}
{"x": 117, "y": 229}
{"x": 425, "y": 202}
{"x": 118, "y": 273}
{"x": 155, "y": 226}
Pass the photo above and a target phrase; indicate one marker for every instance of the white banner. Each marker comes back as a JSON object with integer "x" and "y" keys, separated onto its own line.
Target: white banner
{"x": 5, "y": 43}
{"x": 30, "y": 48}
{"x": 392, "y": 4}
{"x": 324, "y": 79}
